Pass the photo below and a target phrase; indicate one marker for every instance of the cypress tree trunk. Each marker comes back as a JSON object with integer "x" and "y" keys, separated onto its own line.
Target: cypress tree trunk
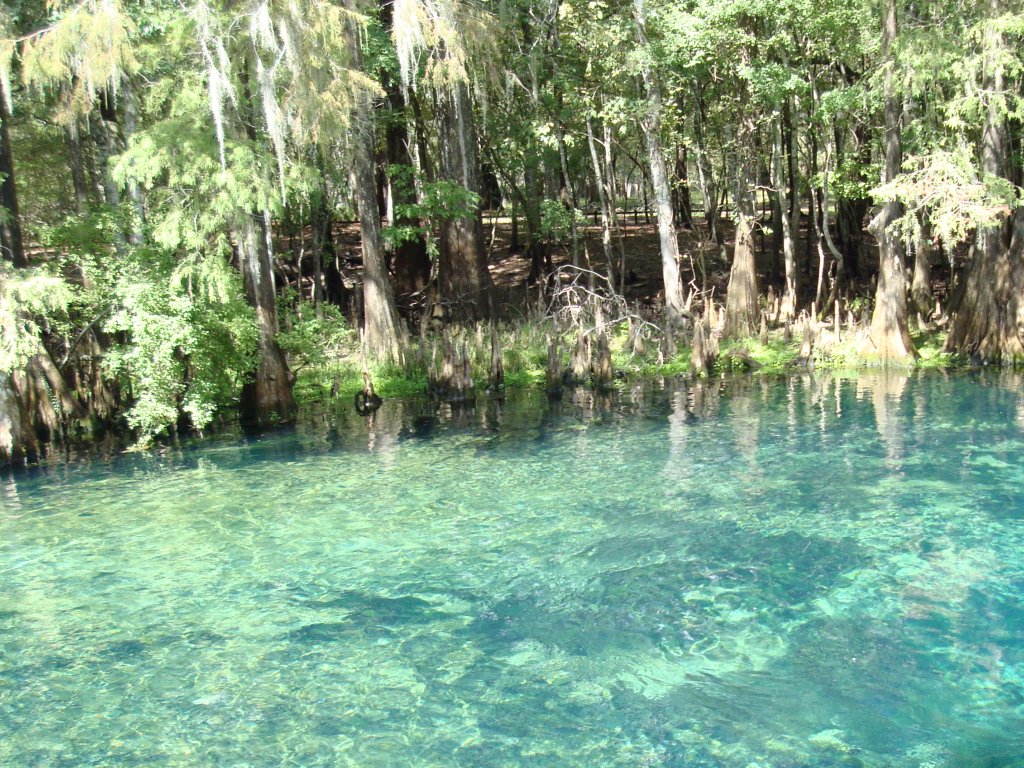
{"x": 567, "y": 194}
{"x": 776, "y": 270}
{"x": 741, "y": 312}
{"x": 36, "y": 405}
{"x": 613, "y": 194}
{"x": 536, "y": 249}
{"x": 268, "y": 396}
{"x": 111, "y": 130}
{"x": 130, "y": 109}
{"x": 788, "y": 246}
{"x": 380, "y": 318}
{"x": 36, "y": 408}
{"x": 850, "y": 212}
{"x": 889, "y": 338}
{"x": 410, "y": 263}
{"x": 421, "y": 156}
{"x": 988, "y": 321}
{"x": 18, "y": 441}
{"x": 109, "y": 142}
{"x": 28, "y": 415}
{"x": 791, "y": 121}
{"x": 464, "y": 283}
{"x": 651, "y": 125}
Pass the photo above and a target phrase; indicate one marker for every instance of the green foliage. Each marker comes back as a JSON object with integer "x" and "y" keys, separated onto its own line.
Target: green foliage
{"x": 245, "y": 110}
{"x": 45, "y": 194}
{"x": 858, "y": 304}
{"x": 182, "y": 335}
{"x": 850, "y": 179}
{"x": 556, "y": 220}
{"x": 312, "y": 334}
{"x": 187, "y": 350}
{"x": 193, "y": 200}
{"x": 30, "y": 299}
{"x": 84, "y": 51}
{"x": 946, "y": 190}
{"x": 440, "y": 200}
{"x": 931, "y": 351}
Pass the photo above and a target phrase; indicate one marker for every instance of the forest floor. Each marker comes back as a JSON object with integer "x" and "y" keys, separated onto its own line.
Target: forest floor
{"x": 643, "y": 284}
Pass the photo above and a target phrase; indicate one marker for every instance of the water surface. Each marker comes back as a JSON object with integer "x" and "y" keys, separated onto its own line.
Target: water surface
{"x": 806, "y": 572}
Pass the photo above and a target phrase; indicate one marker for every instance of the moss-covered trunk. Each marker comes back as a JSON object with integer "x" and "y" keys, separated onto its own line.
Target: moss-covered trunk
{"x": 410, "y": 262}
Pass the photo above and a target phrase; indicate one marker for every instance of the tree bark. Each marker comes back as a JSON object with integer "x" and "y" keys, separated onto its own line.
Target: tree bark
{"x": 705, "y": 173}
{"x": 788, "y": 310}
{"x": 681, "y": 188}
{"x": 651, "y": 125}
{"x": 609, "y": 165}
{"x": 536, "y": 249}
{"x": 568, "y": 195}
{"x": 410, "y": 263}
{"x": 36, "y": 405}
{"x": 988, "y": 321}
{"x": 76, "y": 161}
{"x": 602, "y": 196}
{"x": 563, "y": 156}
{"x": 464, "y": 284}
{"x": 109, "y": 143}
{"x": 267, "y": 397}
{"x": 130, "y": 108}
{"x": 741, "y": 313}
{"x": 381, "y": 326}
{"x": 18, "y": 441}
{"x": 889, "y": 337}
{"x": 921, "y": 285}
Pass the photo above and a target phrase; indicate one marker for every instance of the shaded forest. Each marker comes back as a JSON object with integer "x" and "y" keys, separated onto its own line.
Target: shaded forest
{"x": 204, "y": 202}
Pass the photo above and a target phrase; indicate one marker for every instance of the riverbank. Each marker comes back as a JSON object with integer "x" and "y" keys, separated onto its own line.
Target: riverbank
{"x": 633, "y": 356}
{"x": 329, "y": 375}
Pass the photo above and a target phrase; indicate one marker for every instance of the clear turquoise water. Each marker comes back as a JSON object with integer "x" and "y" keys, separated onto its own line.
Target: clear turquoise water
{"x": 811, "y": 572}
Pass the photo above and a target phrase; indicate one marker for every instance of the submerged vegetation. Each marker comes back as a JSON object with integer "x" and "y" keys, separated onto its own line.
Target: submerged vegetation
{"x": 216, "y": 208}
{"x": 716, "y": 573}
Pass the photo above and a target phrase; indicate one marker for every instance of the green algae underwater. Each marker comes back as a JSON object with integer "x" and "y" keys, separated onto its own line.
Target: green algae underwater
{"x": 808, "y": 571}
